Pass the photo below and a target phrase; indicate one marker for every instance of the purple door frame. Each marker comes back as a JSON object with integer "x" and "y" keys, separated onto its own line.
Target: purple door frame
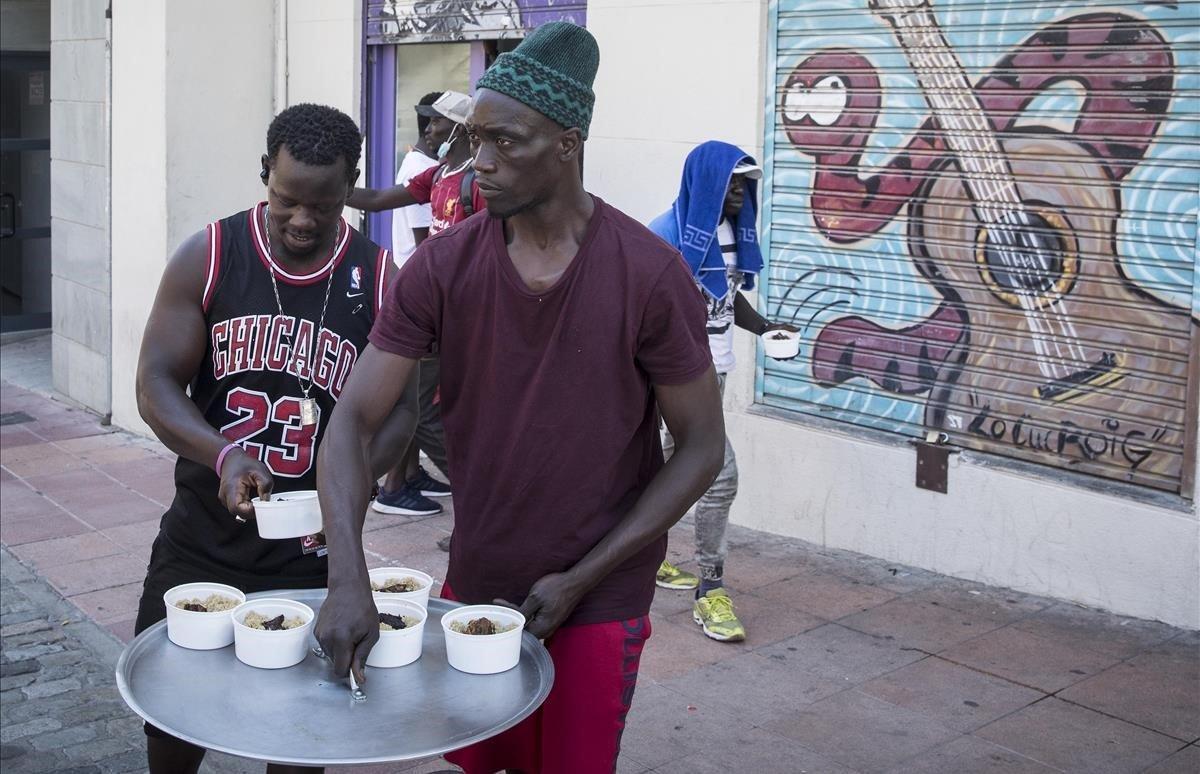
{"x": 381, "y": 135}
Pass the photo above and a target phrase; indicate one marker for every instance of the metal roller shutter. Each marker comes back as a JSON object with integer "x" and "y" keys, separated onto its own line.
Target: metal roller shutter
{"x": 983, "y": 216}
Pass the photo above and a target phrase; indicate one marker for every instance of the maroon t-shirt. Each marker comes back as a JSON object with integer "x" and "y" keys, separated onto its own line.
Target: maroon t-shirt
{"x": 551, "y": 423}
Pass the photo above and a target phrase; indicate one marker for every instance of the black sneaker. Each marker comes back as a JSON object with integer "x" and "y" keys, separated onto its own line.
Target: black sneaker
{"x": 428, "y": 485}
{"x": 405, "y": 501}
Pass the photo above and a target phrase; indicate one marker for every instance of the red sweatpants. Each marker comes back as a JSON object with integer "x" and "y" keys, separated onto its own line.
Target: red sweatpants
{"x": 577, "y": 730}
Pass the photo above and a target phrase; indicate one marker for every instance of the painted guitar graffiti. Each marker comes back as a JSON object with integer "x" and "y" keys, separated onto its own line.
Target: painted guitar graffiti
{"x": 1041, "y": 345}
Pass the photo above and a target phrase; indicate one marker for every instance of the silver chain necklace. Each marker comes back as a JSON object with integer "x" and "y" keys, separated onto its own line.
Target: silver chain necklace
{"x": 308, "y": 406}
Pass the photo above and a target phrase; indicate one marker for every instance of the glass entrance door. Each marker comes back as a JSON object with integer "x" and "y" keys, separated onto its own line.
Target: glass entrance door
{"x": 24, "y": 191}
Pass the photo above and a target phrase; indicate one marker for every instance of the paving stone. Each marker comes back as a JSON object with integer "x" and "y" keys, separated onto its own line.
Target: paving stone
{"x": 34, "y": 651}
{"x": 51, "y": 688}
{"x": 36, "y": 709}
{"x": 26, "y": 627}
{"x": 777, "y": 687}
{"x": 1156, "y": 689}
{"x": 1003, "y": 605}
{"x": 136, "y": 537}
{"x": 1185, "y": 761}
{"x": 130, "y": 724}
{"x": 28, "y": 728}
{"x": 825, "y": 595}
{"x": 756, "y": 751}
{"x": 664, "y": 729}
{"x": 122, "y": 628}
{"x": 134, "y": 760}
{"x": 1073, "y": 626}
{"x": 922, "y": 623}
{"x": 1048, "y": 664}
{"x": 63, "y": 657}
{"x": 63, "y": 737}
{"x": 103, "y": 710}
{"x": 97, "y": 750}
{"x": 14, "y": 668}
{"x": 955, "y": 696}
{"x": 51, "y": 553}
{"x": 46, "y": 635}
{"x": 862, "y": 732}
{"x": 17, "y": 681}
{"x": 8, "y": 699}
{"x": 50, "y": 522}
{"x": 1076, "y": 739}
{"x": 20, "y": 615}
{"x": 37, "y": 762}
{"x": 969, "y": 754}
{"x": 114, "y": 603}
{"x": 842, "y": 655}
{"x": 94, "y": 574}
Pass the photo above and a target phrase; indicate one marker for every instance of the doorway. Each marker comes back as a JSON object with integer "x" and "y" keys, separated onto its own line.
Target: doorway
{"x": 24, "y": 191}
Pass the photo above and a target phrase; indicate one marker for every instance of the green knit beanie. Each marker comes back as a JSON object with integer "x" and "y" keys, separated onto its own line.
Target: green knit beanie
{"x": 552, "y": 72}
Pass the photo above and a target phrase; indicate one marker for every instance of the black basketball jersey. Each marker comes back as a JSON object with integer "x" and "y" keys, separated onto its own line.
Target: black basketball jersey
{"x": 249, "y": 384}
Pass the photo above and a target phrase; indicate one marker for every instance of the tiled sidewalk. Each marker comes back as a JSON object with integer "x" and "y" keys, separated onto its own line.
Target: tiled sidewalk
{"x": 852, "y": 664}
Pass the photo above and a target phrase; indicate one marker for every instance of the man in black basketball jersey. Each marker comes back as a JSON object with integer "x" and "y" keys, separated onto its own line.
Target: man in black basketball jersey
{"x": 258, "y": 320}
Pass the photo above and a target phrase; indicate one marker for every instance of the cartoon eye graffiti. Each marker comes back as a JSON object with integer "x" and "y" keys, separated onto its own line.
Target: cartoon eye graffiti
{"x": 823, "y": 102}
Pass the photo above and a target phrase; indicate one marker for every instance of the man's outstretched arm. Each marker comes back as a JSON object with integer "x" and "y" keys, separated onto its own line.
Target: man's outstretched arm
{"x": 348, "y": 626}
{"x": 693, "y": 414}
{"x": 379, "y": 199}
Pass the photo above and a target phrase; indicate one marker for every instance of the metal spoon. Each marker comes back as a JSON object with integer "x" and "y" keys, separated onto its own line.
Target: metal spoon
{"x": 356, "y": 693}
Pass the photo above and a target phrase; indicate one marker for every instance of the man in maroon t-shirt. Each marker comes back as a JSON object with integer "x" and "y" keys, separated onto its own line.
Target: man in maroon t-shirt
{"x": 574, "y": 326}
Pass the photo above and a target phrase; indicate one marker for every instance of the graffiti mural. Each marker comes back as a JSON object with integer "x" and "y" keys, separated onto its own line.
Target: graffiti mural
{"x": 984, "y": 219}
{"x": 413, "y": 21}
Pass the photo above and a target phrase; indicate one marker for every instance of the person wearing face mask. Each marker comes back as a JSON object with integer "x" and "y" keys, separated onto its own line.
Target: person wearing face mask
{"x": 410, "y": 225}
{"x": 449, "y": 187}
{"x": 451, "y": 191}
{"x": 716, "y": 209}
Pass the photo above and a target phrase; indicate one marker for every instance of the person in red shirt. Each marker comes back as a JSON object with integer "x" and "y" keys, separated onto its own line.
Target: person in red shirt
{"x": 450, "y": 189}
{"x": 565, "y": 327}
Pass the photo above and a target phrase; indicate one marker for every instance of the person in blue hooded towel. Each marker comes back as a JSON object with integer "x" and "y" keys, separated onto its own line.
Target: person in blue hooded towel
{"x": 712, "y": 223}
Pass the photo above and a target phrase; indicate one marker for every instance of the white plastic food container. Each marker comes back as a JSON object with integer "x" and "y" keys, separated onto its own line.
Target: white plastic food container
{"x": 272, "y": 649}
{"x": 200, "y": 631}
{"x": 397, "y": 648}
{"x": 483, "y": 654}
{"x": 288, "y": 515}
{"x": 383, "y": 574}
{"x": 781, "y": 344}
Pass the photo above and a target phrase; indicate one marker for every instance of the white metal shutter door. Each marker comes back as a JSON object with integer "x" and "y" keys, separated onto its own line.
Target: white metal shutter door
{"x": 983, "y": 216}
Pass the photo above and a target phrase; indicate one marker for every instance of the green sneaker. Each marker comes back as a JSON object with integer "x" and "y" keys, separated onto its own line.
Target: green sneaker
{"x": 671, "y": 577}
{"x": 714, "y": 612}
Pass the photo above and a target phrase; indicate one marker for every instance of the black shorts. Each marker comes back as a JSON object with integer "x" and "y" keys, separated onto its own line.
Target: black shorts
{"x": 169, "y": 568}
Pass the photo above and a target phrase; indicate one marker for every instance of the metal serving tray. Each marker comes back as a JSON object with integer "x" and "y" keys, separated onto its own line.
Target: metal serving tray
{"x": 304, "y": 716}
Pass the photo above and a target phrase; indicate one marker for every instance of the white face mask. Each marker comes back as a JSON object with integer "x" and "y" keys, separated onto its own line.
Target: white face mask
{"x": 444, "y": 149}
